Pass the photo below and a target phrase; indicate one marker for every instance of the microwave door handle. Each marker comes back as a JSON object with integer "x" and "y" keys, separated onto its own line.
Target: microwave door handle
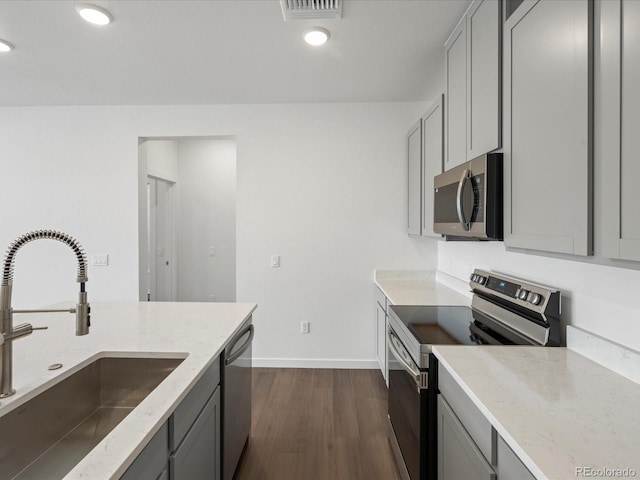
{"x": 461, "y": 184}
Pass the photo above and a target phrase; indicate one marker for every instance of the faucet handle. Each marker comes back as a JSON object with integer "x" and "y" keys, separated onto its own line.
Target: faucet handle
{"x": 21, "y": 331}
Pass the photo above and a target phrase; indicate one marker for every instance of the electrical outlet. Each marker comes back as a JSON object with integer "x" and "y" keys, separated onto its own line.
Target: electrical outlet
{"x": 100, "y": 260}
{"x": 212, "y": 298}
{"x": 304, "y": 327}
{"x": 212, "y": 251}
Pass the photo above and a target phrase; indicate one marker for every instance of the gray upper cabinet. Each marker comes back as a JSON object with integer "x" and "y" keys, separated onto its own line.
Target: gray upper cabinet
{"x": 415, "y": 173}
{"x": 456, "y": 97}
{"x": 617, "y": 116}
{"x": 547, "y": 126}
{"x": 484, "y": 106}
{"x": 432, "y": 158}
{"x": 425, "y": 147}
{"x": 473, "y": 84}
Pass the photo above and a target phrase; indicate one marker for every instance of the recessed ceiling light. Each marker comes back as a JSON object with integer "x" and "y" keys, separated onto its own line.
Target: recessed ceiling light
{"x": 5, "y": 46}
{"x": 316, "y": 36}
{"x": 94, "y": 14}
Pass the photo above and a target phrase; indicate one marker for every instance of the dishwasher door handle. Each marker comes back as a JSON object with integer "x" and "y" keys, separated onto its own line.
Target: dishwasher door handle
{"x": 233, "y": 357}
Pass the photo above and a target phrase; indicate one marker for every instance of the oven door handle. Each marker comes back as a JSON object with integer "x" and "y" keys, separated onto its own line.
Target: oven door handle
{"x": 464, "y": 179}
{"x": 418, "y": 376}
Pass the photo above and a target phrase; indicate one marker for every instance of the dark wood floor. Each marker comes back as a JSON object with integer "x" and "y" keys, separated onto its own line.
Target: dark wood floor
{"x": 318, "y": 424}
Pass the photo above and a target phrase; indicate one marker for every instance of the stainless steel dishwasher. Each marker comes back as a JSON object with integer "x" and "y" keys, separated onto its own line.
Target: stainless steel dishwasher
{"x": 236, "y": 405}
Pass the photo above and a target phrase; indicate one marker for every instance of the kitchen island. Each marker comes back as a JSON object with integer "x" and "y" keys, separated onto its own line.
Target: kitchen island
{"x": 195, "y": 332}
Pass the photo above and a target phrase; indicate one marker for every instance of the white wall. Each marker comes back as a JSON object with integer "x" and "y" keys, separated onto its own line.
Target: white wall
{"x": 162, "y": 159}
{"x": 207, "y": 218}
{"x": 600, "y": 298}
{"x": 322, "y": 185}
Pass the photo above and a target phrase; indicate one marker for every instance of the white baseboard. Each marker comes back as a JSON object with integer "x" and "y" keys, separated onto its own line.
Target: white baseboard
{"x": 315, "y": 363}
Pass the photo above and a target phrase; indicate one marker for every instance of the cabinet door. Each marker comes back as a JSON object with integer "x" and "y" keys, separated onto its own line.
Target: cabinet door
{"x": 415, "y": 174}
{"x": 547, "y": 151}
{"x": 458, "y": 456}
{"x": 484, "y": 49}
{"x": 617, "y": 143}
{"x": 456, "y": 97}
{"x": 151, "y": 464}
{"x": 432, "y": 159}
{"x": 198, "y": 457}
{"x": 510, "y": 467}
{"x": 381, "y": 340}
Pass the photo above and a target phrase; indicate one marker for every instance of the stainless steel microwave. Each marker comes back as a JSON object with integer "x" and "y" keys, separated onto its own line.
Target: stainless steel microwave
{"x": 468, "y": 199}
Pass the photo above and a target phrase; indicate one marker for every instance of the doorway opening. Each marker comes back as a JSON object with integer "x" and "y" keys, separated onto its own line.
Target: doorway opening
{"x": 187, "y": 219}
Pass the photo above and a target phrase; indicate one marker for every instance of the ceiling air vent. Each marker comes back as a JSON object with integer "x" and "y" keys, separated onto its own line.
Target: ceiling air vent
{"x": 309, "y": 9}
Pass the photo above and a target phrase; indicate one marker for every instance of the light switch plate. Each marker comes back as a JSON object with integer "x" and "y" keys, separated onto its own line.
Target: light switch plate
{"x": 275, "y": 261}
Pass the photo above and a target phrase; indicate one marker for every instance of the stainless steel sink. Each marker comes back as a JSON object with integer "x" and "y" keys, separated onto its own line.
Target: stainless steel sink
{"x": 48, "y": 435}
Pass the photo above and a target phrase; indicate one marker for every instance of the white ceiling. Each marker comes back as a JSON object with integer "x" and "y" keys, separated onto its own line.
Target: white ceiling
{"x": 221, "y": 51}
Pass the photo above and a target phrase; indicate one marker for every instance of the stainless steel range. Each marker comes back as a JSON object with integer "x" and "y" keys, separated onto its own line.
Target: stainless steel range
{"x": 504, "y": 311}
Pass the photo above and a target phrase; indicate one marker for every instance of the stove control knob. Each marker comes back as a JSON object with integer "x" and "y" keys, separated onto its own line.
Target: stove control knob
{"x": 472, "y": 277}
{"x": 522, "y": 294}
{"x": 534, "y": 298}
{"x": 482, "y": 280}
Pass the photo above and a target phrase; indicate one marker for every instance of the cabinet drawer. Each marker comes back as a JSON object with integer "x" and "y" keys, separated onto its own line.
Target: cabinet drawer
{"x": 192, "y": 405}
{"x": 152, "y": 461}
{"x": 381, "y": 299}
{"x": 473, "y": 420}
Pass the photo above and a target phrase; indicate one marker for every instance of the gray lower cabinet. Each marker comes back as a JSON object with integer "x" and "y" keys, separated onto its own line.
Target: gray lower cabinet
{"x": 509, "y": 465}
{"x": 469, "y": 448}
{"x": 458, "y": 456}
{"x": 547, "y": 127}
{"x": 381, "y": 334}
{"x": 152, "y": 462}
{"x": 188, "y": 445}
{"x": 198, "y": 457}
{"x": 617, "y": 116}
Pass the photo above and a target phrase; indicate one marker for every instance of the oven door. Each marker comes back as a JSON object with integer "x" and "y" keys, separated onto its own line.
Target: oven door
{"x": 407, "y": 410}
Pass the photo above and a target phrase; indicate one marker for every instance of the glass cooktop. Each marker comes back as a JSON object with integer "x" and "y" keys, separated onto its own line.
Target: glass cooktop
{"x": 452, "y": 325}
{"x": 437, "y": 325}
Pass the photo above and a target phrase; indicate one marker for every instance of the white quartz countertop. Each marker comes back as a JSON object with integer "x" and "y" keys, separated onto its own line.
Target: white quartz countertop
{"x": 557, "y": 410}
{"x": 197, "y": 332}
{"x": 417, "y": 287}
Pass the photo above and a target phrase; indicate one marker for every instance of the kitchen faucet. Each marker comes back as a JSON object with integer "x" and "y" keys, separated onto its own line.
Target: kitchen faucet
{"x": 7, "y": 332}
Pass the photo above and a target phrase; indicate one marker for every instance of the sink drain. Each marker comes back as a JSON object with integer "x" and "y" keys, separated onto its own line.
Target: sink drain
{"x": 54, "y": 366}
